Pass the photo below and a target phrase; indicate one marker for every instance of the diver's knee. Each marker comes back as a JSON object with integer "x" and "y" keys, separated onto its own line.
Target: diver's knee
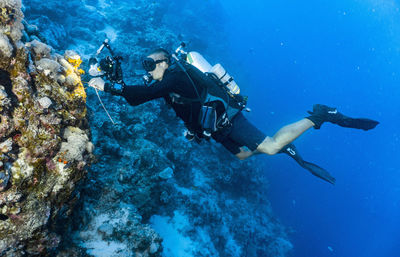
{"x": 241, "y": 157}
{"x": 269, "y": 146}
{"x": 244, "y": 154}
{"x": 268, "y": 151}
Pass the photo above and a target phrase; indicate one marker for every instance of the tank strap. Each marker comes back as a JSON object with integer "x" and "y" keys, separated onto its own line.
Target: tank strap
{"x": 228, "y": 81}
{"x": 223, "y": 75}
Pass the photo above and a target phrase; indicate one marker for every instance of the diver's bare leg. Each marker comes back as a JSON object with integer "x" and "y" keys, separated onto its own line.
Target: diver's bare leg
{"x": 272, "y": 145}
{"x": 286, "y": 135}
{"x": 245, "y": 153}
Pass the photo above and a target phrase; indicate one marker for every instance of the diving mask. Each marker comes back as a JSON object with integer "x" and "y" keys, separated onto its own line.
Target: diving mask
{"x": 149, "y": 64}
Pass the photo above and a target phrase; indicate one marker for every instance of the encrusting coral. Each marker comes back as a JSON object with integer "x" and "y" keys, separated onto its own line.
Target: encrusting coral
{"x": 44, "y": 137}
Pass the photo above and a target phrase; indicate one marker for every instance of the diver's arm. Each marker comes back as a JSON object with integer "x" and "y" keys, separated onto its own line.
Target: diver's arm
{"x": 135, "y": 95}
{"x": 139, "y": 94}
{"x": 114, "y": 89}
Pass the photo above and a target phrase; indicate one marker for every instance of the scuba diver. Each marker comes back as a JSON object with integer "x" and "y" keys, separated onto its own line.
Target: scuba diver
{"x": 207, "y": 99}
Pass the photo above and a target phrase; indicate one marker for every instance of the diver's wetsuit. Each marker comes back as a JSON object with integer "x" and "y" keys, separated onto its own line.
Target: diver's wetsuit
{"x": 240, "y": 132}
{"x": 174, "y": 82}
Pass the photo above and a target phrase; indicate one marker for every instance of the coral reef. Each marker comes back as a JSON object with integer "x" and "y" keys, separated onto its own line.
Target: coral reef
{"x": 39, "y": 168}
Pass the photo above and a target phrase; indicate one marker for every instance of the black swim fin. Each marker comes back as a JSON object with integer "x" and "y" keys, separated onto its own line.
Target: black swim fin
{"x": 360, "y": 123}
{"x": 317, "y": 171}
{"x": 322, "y": 113}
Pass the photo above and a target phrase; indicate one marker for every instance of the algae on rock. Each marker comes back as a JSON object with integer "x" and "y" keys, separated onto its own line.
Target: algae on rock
{"x": 41, "y": 100}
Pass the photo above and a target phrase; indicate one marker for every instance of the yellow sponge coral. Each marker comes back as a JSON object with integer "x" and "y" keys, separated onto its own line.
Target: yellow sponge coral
{"x": 71, "y": 64}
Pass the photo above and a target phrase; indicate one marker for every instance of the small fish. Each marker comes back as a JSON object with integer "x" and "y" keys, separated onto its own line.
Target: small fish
{"x": 330, "y": 249}
{"x": 67, "y": 164}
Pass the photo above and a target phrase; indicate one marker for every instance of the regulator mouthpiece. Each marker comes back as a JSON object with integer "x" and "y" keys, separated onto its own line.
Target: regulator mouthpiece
{"x": 147, "y": 79}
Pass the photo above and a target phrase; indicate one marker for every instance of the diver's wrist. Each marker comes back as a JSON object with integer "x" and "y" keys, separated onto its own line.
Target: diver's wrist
{"x": 114, "y": 88}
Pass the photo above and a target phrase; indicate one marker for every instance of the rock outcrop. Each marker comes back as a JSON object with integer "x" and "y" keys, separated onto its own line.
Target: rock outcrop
{"x": 44, "y": 137}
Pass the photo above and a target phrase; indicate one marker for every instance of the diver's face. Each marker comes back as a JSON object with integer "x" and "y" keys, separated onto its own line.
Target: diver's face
{"x": 158, "y": 72}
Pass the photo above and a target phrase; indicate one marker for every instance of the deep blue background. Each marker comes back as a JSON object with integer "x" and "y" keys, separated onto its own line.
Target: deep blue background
{"x": 288, "y": 55}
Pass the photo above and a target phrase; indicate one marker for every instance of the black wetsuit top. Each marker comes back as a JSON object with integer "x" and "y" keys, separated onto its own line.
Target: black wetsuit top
{"x": 175, "y": 81}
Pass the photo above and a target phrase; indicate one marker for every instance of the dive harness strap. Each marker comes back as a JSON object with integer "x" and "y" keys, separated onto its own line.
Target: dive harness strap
{"x": 220, "y": 122}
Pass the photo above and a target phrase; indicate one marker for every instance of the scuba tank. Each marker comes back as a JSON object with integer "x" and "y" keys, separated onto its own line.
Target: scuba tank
{"x": 197, "y": 60}
{"x": 225, "y": 79}
{"x": 232, "y": 101}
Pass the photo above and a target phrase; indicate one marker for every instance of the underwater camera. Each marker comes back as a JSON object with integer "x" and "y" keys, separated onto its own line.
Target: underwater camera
{"x": 108, "y": 67}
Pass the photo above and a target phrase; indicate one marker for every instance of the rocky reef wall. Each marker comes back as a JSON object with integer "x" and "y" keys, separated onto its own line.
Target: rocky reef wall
{"x": 44, "y": 137}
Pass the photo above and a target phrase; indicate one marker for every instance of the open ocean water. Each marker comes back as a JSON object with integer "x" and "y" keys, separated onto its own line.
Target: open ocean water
{"x": 288, "y": 55}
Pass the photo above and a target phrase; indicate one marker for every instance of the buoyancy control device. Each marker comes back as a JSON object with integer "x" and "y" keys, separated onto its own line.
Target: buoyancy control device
{"x": 232, "y": 100}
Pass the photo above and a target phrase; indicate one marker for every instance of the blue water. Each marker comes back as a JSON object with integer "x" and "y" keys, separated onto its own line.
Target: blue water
{"x": 288, "y": 55}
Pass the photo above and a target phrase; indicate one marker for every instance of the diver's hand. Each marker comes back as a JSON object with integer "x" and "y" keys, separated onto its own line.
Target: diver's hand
{"x": 97, "y": 83}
